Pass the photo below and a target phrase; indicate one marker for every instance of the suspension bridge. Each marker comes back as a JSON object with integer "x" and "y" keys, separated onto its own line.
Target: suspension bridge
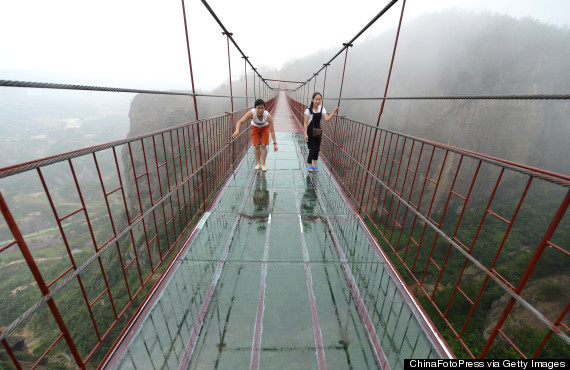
{"x": 199, "y": 261}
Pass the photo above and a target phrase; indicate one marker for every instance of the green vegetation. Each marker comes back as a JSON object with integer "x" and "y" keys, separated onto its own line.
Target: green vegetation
{"x": 549, "y": 291}
{"x": 513, "y": 260}
{"x": 498, "y": 55}
{"x": 18, "y": 290}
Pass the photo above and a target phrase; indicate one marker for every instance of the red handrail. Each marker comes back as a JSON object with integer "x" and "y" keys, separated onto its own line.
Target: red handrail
{"x": 418, "y": 216}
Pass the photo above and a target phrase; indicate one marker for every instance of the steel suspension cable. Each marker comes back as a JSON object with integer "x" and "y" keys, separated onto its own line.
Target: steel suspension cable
{"x": 46, "y": 85}
{"x": 55, "y": 86}
{"x": 466, "y": 97}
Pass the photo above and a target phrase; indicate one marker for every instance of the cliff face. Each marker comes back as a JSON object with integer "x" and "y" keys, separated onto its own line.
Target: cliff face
{"x": 154, "y": 166}
{"x": 457, "y": 53}
{"x": 150, "y": 113}
{"x": 548, "y": 295}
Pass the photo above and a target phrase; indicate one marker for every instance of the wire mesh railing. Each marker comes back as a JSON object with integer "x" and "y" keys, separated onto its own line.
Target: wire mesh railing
{"x": 86, "y": 235}
{"x": 96, "y": 230}
{"x": 481, "y": 241}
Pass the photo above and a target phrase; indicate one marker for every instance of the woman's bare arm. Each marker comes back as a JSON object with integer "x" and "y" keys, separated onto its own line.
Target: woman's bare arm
{"x": 246, "y": 116}
{"x": 272, "y": 128}
{"x": 329, "y": 116}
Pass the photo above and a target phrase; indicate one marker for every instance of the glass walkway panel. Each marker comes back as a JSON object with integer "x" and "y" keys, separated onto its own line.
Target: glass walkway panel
{"x": 281, "y": 274}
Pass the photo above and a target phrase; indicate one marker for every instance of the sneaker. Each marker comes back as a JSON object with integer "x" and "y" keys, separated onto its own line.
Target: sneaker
{"x": 310, "y": 168}
{"x": 316, "y": 169}
{"x": 263, "y": 168}
{"x": 257, "y": 167}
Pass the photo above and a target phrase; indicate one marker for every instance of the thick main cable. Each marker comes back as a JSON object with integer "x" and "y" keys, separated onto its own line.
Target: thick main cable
{"x": 466, "y": 97}
{"x": 47, "y": 85}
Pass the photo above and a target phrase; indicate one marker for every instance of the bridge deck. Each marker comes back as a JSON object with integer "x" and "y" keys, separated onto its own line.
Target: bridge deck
{"x": 280, "y": 275}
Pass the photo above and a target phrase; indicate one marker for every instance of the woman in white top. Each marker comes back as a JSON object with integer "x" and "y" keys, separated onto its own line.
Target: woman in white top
{"x": 313, "y": 115}
{"x": 261, "y": 125}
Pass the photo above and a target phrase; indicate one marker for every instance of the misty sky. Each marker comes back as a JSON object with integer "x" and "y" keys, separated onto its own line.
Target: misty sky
{"x": 141, "y": 43}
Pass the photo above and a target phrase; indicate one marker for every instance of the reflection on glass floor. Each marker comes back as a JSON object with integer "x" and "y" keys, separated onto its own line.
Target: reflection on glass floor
{"x": 280, "y": 276}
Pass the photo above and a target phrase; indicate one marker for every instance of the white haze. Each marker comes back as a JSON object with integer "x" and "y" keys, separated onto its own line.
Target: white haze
{"x": 141, "y": 43}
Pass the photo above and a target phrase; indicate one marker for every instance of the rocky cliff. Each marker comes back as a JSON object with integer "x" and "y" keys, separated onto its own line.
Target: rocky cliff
{"x": 460, "y": 53}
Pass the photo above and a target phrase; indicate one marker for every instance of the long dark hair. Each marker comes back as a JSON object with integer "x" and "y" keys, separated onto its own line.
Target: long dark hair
{"x": 313, "y": 98}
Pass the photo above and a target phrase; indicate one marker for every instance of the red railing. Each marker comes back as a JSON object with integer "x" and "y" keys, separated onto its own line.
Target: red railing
{"x": 451, "y": 222}
{"x": 118, "y": 214}
{"x": 449, "y": 219}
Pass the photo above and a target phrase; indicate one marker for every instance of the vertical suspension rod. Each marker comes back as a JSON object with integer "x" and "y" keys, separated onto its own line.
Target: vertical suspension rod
{"x": 315, "y": 84}
{"x": 325, "y": 79}
{"x": 343, "y": 70}
{"x": 382, "y": 106}
{"x": 245, "y": 75}
{"x": 189, "y": 59}
{"x": 338, "y": 104}
{"x": 254, "y": 94}
{"x": 228, "y": 35}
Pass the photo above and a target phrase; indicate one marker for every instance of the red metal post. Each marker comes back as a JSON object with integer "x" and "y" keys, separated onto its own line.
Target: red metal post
{"x": 11, "y": 354}
{"x": 529, "y": 270}
{"x": 201, "y": 167}
{"x": 557, "y": 323}
{"x": 29, "y": 258}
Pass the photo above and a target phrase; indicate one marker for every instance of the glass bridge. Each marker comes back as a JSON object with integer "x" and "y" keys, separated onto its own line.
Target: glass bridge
{"x": 280, "y": 274}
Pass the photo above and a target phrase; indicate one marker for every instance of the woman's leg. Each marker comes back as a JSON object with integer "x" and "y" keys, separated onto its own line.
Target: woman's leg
{"x": 263, "y": 155}
{"x": 316, "y": 150}
{"x": 264, "y": 143}
{"x": 256, "y": 141}
{"x": 257, "y": 152}
{"x": 311, "y": 145}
